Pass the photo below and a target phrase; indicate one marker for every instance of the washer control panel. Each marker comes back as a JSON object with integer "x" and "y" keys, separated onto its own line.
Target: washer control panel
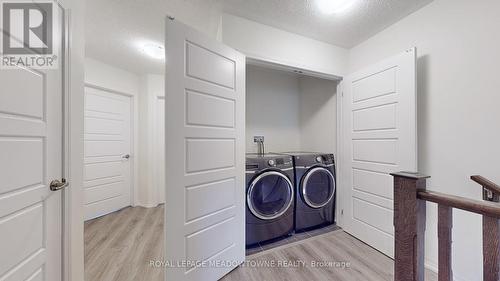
{"x": 278, "y": 162}
{"x": 255, "y": 162}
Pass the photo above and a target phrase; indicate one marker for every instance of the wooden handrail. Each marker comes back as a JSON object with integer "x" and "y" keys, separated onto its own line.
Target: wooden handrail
{"x": 410, "y": 197}
{"x": 486, "y": 183}
{"x": 475, "y": 206}
{"x": 491, "y": 190}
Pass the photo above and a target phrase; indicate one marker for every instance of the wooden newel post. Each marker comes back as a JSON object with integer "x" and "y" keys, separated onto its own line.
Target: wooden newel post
{"x": 409, "y": 227}
{"x": 491, "y": 241}
{"x": 491, "y": 249}
{"x": 491, "y": 232}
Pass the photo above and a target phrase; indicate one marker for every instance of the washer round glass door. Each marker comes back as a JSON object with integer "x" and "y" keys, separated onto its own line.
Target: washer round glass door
{"x": 270, "y": 195}
{"x": 318, "y": 187}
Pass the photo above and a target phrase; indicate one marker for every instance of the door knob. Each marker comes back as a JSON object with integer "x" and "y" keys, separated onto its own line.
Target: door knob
{"x": 126, "y": 156}
{"x": 56, "y": 185}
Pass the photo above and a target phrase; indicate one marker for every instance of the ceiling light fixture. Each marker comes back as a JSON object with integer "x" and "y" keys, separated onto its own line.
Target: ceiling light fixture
{"x": 334, "y": 6}
{"x": 154, "y": 50}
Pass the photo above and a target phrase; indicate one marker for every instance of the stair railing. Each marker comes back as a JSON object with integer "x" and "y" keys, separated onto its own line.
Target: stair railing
{"x": 410, "y": 197}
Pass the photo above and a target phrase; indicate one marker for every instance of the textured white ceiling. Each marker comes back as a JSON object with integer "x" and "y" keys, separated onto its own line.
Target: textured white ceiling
{"x": 362, "y": 20}
{"x": 114, "y": 28}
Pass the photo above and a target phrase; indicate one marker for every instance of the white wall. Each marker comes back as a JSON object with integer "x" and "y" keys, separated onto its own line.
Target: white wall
{"x": 263, "y": 42}
{"x": 318, "y": 114}
{"x": 458, "y": 107}
{"x": 272, "y": 105}
{"x": 151, "y": 87}
{"x": 203, "y": 15}
{"x": 292, "y": 112}
{"x": 104, "y": 75}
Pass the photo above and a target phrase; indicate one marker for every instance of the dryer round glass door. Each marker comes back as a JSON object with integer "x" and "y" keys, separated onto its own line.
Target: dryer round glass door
{"x": 318, "y": 187}
{"x": 270, "y": 195}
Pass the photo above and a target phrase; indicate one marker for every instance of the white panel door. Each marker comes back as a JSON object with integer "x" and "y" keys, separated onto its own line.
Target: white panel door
{"x": 31, "y": 154}
{"x": 205, "y": 125}
{"x": 379, "y": 128}
{"x": 107, "y": 169}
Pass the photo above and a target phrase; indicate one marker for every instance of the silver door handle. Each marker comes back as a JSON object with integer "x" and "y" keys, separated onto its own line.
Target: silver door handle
{"x": 56, "y": 185}
{"x": 126, "y": 156}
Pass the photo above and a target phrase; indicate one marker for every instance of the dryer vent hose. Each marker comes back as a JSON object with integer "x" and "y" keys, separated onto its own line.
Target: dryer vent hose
{"x": 260, "y": 148}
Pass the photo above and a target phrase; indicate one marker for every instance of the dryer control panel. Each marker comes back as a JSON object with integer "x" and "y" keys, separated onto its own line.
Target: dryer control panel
{"x": 307, "y": 159}
{"x": 325, "y": 159}
{"x": 257, "y": 162}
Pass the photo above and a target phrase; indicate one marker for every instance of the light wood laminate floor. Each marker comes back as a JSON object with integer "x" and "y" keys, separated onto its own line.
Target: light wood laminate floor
{"x": 119, "y": 247}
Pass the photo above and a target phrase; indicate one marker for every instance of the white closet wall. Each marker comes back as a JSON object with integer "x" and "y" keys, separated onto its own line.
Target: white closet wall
{"x": 292, "y": 112}
{"x": 272, "y": 103}
{"x": 318, "y": 114}
{"x": 263, "y": 42}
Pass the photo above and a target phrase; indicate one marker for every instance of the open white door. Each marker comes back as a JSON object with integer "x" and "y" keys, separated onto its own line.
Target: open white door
{"x": 31, "y": 157}
{"x": 204, "y": 136}
{"x": 379, "y": 137}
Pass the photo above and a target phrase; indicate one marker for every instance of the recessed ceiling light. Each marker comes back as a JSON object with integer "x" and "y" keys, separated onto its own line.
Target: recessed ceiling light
{"x": 334, "y": 6}
{"x": 154, "y": 50}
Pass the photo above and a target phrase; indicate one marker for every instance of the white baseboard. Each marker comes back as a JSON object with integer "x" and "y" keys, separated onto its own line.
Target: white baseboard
{"x": 432, "y": 266}
{"x": 148, "y": 204}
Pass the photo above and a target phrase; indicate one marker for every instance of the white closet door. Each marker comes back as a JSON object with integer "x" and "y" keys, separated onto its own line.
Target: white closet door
{"x": 379, "y": 126}
{"x": 205, "y": 150}
{"x": 31, "y": 147}
{"x": 107, "y": 165}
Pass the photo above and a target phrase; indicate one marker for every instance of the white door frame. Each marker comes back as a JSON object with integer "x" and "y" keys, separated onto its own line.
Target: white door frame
{"x": 67, "y": 126}
{"x": 73, "y": 263}
{"x": 72, "y": 209}
{"x": 269, "y": 63}
{"x": 73, "y": 95}
{"x": 339, "y": 210}
{"x": 134, "y": 179}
